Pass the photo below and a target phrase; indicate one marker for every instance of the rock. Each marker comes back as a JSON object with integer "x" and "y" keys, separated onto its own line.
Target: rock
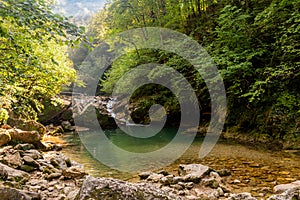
{"x": 284, "y": 187}
{"x": 144, "y": 175}
{"x": 5, "y": 137}
{"x": 290, "y": 194}
{"x": 24, "y": 147}
{"x": 53, "y": 176}
{"x": 163, "y": 172}
{"x": 13, "y": 174}
{"x": 164, "y": 181}
{"x": 3, "y": 173}
{"x": 104, "y": 188}
{"x": 224, "y": 172}
{"x": 74, "y": 173}
{"x": 212, "y": 183}
{"x": 242, "y": 196}
{"x": 18, "y": 135}
{"x": 58, "y": 160}
{"x": 12, "y": 194}
{"x": 193, "y": 172}
{"x": 155, "y": 178}
{"x": 30, "y": 161}
{"x": 27, "y": 125}
{"x": 27, "y": 168}
{"x": 66, "y": 125}
{"x": 13, "y": 159}
{"x": 33, "y": 153}
{"x": 73, "y": 194}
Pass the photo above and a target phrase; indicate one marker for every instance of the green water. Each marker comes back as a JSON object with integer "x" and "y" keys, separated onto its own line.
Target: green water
{"x": 256, "y": 168}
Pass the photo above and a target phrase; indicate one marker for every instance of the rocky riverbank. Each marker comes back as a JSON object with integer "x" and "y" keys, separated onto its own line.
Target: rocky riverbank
{"x": 28, "y": 173}
{"x": 31, "y": 169}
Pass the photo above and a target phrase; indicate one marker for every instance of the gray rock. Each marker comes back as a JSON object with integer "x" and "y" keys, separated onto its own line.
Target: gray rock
{"x": 24, "y": 147}
{"x": 33, "y": 153}
{"x": 14, "y": 194}
{"x": 58, "y": 160}
{"x": 290, "y": 194}
{"x": 53, "y": 176}
{"x": 242, "y": 196}
{"x": 13, "y": 159}
{"x": 14, "y": 174}
{"x": 155, "y": 178}
{"x": 284, "y": 187}
{"x": 30, "y": 161}
{"x": 103, "y": 188}
{"x": 193, "y": 172}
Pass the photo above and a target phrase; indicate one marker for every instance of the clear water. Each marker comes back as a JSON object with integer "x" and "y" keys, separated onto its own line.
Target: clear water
{"x": 256, "y": 168}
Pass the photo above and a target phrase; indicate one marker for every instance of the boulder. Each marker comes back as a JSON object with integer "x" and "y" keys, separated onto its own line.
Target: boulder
{"x": 193, "y": 172}
{"x": 27, "y": 125}
{"x": 13, "y": 174}
{"x": 11, "y": 193}
{"x": 106, "y": 188}
{"x": 18, "y": 135}
{"x": 284, "y": 187}
{"x": 290, "y": 194}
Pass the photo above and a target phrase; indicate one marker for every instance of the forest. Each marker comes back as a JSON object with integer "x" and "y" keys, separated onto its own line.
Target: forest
{"x": 254, "y": 43}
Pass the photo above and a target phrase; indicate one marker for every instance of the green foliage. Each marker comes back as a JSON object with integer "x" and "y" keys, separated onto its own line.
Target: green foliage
{"x": 255, "y": 44}
{"x": 34, "y": 64}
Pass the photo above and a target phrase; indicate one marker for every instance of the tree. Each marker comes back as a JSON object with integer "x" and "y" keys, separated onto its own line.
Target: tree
{"x": 33, "y": 63}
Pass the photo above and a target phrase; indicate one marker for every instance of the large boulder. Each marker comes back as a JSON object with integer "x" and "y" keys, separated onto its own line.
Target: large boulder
{"x": 11, "y": 193}
{"x": 284, "y": 187}
{"x": 289, "y": 191}
{"x": 105, "y": 188}
{"x": 18, "y": 135}
{"x": 27, "y": 125}
{"x": 12, "y": 174}
{"x": 290, "y": 194}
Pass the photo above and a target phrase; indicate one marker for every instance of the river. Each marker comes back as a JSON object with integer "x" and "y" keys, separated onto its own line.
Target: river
{"x": 254, "y": 169}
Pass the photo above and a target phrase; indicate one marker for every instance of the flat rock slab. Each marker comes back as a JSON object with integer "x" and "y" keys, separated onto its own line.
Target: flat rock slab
{"x": 290, "y": 194}
{"x": 284, "y": 187}
{"x": 106, "y": 188}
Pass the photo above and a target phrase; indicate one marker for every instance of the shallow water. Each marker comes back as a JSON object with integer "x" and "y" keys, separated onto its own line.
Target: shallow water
{"x": 257, "y": 169}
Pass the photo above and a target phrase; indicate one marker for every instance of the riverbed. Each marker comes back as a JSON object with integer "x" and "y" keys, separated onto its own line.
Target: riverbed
{"x": 254, "y": 169}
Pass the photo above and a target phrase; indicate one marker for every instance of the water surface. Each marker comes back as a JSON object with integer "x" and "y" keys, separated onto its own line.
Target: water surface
{"x": 257, "y": 169}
